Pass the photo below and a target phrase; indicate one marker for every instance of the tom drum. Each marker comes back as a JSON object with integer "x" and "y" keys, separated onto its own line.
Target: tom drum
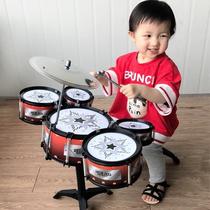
{"x": 112, "y": 157}
{"x": 77, "y": 97}
{"x": 36, "y": 102}
{"x": 142, "y": 129}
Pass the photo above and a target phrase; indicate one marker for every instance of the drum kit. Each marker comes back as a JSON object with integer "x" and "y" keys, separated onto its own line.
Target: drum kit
{"x": 74, "y": 133}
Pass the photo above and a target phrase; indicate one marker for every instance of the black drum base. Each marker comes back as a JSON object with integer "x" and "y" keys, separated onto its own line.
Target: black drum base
{"x": 81, "y": 194}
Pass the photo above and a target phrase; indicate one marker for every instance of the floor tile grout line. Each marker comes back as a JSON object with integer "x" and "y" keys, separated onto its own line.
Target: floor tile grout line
{"x": 36, "y": 179}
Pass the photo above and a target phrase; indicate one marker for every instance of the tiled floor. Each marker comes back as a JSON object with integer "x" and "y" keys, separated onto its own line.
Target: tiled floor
{"x": 28, "y": 181}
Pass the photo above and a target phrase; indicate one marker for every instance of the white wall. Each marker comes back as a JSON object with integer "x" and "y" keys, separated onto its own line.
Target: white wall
{"x": 92, "y": 33}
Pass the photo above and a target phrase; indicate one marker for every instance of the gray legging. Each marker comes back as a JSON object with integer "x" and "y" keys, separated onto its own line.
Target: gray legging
{"x": 153, "y": 154}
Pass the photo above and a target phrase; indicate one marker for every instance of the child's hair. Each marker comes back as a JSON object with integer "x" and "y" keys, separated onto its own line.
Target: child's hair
{"x": 152, "y": 10}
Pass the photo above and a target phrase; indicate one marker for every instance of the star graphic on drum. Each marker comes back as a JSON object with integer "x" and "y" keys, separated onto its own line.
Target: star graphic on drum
{"x": 132, "y": 125}
{"x": 111, "y": 147}
{"x": 41, "y": 96}
{"x": 80, "y": 120}
{"x": 77, "y": 94}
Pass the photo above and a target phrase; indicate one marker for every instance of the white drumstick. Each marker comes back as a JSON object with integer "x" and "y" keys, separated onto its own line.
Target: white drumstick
{"x": 102, "y": 74}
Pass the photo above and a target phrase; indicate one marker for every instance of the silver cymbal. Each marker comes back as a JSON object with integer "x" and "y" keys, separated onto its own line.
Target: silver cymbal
{"x": 61, "y": 71}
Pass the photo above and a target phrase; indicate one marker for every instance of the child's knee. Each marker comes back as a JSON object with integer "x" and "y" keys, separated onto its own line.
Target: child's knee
{"x": 152, "y": 148}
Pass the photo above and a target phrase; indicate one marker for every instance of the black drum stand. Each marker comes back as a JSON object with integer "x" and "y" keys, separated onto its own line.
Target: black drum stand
{"x": 81, "y": 194}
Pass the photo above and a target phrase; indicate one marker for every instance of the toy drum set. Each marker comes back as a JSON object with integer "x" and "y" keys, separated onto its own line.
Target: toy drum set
{"x": 74, "y": 133}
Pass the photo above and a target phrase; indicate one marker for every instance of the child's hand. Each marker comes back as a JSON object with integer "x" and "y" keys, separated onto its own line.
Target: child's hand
{"x": 101, "y": 79}
{"x": 130, "y": 90}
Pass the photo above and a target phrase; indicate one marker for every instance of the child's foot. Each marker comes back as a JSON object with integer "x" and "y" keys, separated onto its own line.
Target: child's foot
{"x": 154, "y": 193}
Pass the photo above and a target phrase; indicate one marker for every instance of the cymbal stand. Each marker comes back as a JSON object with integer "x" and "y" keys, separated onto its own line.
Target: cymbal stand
{"x": 59, "y": 104}
{"x": 47, "y": 157}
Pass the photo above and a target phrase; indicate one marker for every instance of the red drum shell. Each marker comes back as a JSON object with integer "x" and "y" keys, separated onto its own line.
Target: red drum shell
{"x": 33, "y": 112}
{"x": 77, "y": 97}
{"x": 112, "y": 174}
{"x": 58, "y": 144}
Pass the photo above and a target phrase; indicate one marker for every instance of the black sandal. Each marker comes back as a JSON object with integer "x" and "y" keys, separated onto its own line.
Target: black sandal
{"x": 155, "y": 192}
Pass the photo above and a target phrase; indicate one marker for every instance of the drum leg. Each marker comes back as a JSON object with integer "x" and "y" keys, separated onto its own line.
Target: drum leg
{"x": 70, "y": 193}
{"x": 82, "y": 194}
{"x": 97, "y": 190}
{"x": 172, "y": 156}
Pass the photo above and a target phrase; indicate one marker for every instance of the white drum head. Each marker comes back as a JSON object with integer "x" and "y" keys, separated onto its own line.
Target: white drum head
{"x": 111, "y": 147}
{"x": 77, "y": 94}
{"x": 79, "y": 121}
{"x": 135, "y": 125}
{"x": 40, "y": 96}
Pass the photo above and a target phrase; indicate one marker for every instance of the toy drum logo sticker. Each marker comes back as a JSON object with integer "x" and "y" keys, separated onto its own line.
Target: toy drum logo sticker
{"x": 35, "y": 113}
{"x": 137, "y": 108}
{"x": 105, "y": 174}
{"x": 74, "y": 151}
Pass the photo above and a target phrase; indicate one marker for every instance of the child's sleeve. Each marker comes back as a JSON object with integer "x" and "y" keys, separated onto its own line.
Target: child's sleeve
{"x": 168, "y": 83}
{"x": 111, "y": 89}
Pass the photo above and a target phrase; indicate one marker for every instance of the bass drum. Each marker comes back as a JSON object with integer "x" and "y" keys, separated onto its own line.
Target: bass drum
{"x": 63, "y": 141}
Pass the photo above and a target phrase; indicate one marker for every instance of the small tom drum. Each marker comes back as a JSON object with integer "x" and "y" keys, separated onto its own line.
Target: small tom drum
{"x": 112, "y": 157}
{"x": 142, "y": 129}
{"x": 36, "y": 102}
{"x": 77, "y": 97}
{"x": 63, "y": 141}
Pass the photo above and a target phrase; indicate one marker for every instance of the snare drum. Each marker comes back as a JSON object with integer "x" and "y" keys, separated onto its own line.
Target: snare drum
{"x": 112, "y": 157}
{"x": 142, "y": 129}
{"x": 77, "y": 97}
{"x": 63, "y": 141}
{"x": 36, "y": 102}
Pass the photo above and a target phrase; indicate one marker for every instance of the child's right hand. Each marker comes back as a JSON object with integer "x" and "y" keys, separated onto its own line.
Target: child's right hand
{"x": 101, "y": 79}
{"x": 131, "y": 90}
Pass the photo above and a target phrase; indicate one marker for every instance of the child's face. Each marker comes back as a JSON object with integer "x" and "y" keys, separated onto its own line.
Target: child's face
{"x": 151, "y": 39}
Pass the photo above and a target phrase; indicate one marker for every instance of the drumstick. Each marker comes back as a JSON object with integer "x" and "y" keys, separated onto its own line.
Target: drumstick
{"x": 102, "y": 74}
